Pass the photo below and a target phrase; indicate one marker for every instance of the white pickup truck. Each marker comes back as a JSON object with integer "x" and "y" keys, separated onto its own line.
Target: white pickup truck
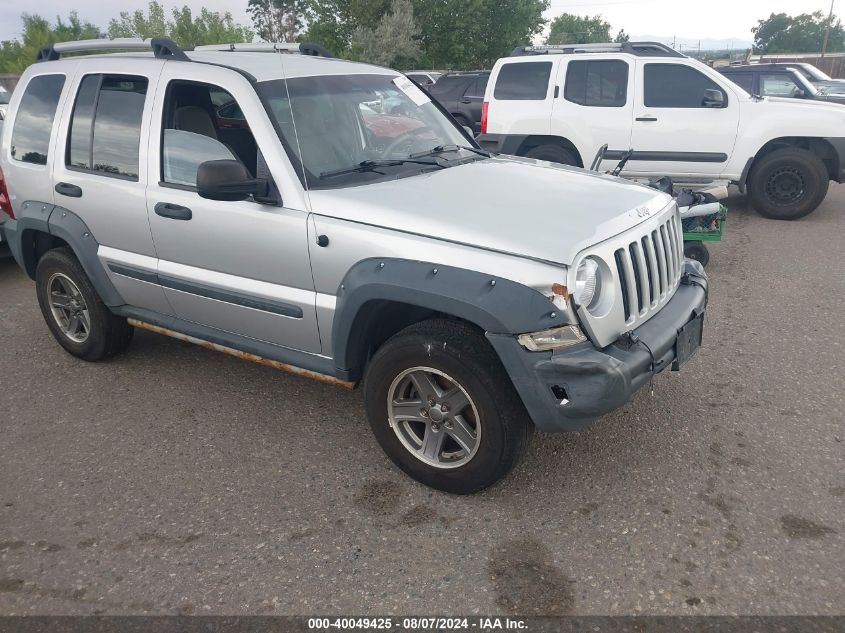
{"x": 682, "y": 118}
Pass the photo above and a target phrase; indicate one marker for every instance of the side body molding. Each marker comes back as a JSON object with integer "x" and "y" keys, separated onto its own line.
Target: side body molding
{"x": 496, "y": 305}
{"x": 65, "y": 225}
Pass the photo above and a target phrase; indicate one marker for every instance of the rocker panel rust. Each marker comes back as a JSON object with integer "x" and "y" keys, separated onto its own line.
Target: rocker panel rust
{"x": 243, "y": 355}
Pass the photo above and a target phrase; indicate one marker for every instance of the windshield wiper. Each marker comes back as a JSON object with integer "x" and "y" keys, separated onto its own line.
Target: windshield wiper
{"x": 371, "y": 165}
{"x": 441, "y": 149}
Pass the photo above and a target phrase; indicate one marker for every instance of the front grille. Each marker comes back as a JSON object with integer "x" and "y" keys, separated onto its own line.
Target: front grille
{"x": 649, "y": 268}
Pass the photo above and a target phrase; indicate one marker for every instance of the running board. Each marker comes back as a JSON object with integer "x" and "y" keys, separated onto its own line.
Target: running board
{"x": 331, "y": 380}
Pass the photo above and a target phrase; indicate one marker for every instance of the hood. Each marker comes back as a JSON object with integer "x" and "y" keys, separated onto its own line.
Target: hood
{"x": 822, "y": 103}
{"x": 519, "y": 206}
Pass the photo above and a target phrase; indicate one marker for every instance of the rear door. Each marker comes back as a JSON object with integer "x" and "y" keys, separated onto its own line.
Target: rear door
{"x": 595, "y": 106}
{"x": 676, "y": 130}
{"x": 522, "y": 96}
{"x": 100, "y": 174}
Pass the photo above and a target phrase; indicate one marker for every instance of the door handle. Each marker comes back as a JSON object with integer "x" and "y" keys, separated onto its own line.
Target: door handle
{"x": 646, "y": 118}
{"x": 173, "y": 211}
{"x": 67, "y": 189}
{"x": 466, "y": 100}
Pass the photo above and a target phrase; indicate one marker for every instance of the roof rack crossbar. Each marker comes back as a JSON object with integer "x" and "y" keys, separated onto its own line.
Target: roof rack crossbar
{"x": 640, "y": 49}
{"x": 304, "y": 48}
{"x": 162, "y": 47}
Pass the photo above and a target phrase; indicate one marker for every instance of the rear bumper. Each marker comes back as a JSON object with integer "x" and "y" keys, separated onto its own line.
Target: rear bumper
{"x": 597, "y": 382}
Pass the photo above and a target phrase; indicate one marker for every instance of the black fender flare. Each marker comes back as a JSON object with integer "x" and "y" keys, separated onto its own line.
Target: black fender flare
{"x": 69, "y": 227}
{"x": 494, "y": 304}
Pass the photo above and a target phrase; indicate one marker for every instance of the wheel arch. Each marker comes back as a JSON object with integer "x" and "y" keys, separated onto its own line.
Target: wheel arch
{"x": 379, "y": 297}
{"x": 535, "y": 140}
{"x": 42, "y": 227}
{"x": 821, "y": 147}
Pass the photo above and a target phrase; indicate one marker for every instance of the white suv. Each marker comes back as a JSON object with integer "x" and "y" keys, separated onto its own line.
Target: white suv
{"x": 682, "y": 118}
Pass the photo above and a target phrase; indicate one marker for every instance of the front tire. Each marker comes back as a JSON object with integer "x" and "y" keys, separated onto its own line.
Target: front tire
{"x": 74, "y": 312}
{"x": 443, "y": 409}
{"x": 553, "y": 153}
{"x": 788, "y": 184}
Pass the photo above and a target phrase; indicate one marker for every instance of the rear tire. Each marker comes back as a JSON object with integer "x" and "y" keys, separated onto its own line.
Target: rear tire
{"x": 443, "y": 408}
{"x": 553, "y": 153}
{"x": 74, "y": 312}
{"x": 788, "y": 184}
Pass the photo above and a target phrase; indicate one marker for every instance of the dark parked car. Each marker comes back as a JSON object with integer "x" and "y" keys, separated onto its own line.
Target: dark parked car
{"x": 778, "y": 80}
{"x": 462, "y": 94}
{"x": 424, "y": 78}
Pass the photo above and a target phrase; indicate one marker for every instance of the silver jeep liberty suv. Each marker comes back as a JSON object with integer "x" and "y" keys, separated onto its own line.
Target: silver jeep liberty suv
{"x": 329, "y": 219}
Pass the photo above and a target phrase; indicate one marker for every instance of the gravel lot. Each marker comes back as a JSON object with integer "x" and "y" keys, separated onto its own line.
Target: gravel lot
{"x": 177, "y": 480}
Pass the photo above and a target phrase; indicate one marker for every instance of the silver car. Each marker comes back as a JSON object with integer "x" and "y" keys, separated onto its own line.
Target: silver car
{"x": 472, "y": 297}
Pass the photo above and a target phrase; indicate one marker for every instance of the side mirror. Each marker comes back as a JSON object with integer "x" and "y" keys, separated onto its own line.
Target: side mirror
{"x": 799, "y": 93}
{"x": 468, "y": 131}
{"x": 228, "y": 180}
{"x": 713, "y": 99}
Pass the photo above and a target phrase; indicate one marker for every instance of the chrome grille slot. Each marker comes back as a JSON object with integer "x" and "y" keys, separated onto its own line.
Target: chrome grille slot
{"x": 660, "y": 254}
{"x": 624, "y": 280}
{"x": 640, "y": 275}
{"x": 651, "y": 268}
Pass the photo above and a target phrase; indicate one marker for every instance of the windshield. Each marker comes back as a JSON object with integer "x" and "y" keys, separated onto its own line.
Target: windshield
{"x": 330, "y": 124}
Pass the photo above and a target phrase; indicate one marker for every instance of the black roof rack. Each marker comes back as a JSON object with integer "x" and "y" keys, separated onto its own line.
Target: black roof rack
{"x": 162, "y": 48}
{"x": 640, "y": 49}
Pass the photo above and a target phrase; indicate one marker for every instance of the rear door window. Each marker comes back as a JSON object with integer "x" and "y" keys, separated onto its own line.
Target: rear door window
{"x": 523, "y": 81}
{"x": 597, "y": 83}
{"x": 34, "y": 119}
{"x": 477, "y": 87}
{"x": 677, "y": 86}
{"x": 105, "y": 130}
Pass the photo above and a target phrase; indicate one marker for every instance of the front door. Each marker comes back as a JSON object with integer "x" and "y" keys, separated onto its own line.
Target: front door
{"x": 239, "y": 267}
{"x": 681, "y": 130}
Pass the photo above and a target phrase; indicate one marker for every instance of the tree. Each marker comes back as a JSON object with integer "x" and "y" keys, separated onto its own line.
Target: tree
{"x": 622, "y": 37}
{"x": 184, "y": 29}
{"x": 575, "y": 29}
{"x": 393, "y": 42}
{"x": 277, "y": 20}
{"x": 457, "y": 34}
{"x": 16, "y": 55}
{"x": 781, "y": 33}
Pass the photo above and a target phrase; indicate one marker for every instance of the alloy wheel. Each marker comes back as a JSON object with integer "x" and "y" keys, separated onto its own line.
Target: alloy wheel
{"x": 69, "y": 308}
{"x": 434, "y": 417}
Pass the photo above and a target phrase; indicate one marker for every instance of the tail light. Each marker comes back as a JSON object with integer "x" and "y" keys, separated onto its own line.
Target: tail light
{"x": 5, "y": 201}
{"x": 484, "y": 108}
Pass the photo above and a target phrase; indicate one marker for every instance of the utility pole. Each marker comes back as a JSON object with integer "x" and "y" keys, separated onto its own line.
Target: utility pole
{"x": 827, "y": 28}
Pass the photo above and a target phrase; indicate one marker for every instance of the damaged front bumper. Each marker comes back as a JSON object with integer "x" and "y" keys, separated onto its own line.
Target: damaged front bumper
{"x": 566, "y": 389}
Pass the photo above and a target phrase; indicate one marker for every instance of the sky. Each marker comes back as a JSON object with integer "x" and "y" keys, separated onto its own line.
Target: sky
{"x": 665, "y": 19}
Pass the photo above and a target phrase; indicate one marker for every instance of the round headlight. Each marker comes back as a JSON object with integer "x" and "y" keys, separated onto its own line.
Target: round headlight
{"x": 587, "y": 283}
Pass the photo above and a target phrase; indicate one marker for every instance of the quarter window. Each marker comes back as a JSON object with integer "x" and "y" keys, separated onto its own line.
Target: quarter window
{"x": 677, "y": 86}
{"x": 34, "y": 119}
{"x": 105, "y": 130}
{"x": 523, "y": 81}
{"x": 598, "y": 83}
{"x": 743, "y": 80}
